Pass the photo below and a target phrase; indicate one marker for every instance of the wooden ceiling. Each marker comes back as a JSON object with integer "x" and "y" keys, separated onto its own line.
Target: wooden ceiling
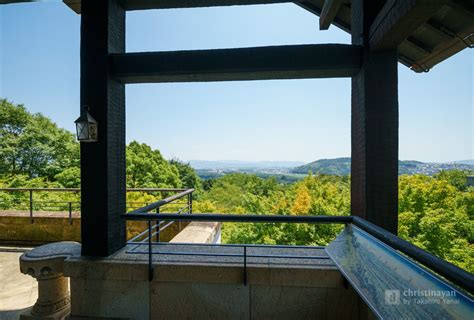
{"x": 426, "y": 32}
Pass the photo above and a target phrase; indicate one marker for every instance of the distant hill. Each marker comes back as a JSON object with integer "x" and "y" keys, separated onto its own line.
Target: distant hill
{"x": 235, "y": 164}
{"x": 338, "y": 166}
{"x": 342, "y": 166}
{"x": 469, "y": 162}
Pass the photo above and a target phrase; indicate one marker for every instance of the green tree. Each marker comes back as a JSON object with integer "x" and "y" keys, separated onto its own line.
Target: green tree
{"x": 69, "y": 178}
{"x": 13, "y": 121}
{"x": 456, "y": 178}
{"x": 317, "y": 195}
{"x": 187, "y": 175}
{"x": 302, "y": 203}
{"x": 147, "y": 168}
{"x": 437, "y": 216}
{"x": 32, "y": 144}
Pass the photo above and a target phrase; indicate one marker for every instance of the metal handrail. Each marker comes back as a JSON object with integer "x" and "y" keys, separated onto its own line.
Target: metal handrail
{"x": 160, "y": 203}
{"x": 456, "y": 275}
{"x": 217, "y": 217}
{"x": 79, "y": 189}
{"x": 33, "y": 204}
{"x": 42, "y": 189}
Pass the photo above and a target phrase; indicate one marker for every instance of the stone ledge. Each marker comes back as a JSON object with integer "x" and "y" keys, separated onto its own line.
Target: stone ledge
{"x": 94, "y": 318}
{"x": 221, "y": 269}
{"x": 203, "y": 287}
{"x": 198, "y": 232}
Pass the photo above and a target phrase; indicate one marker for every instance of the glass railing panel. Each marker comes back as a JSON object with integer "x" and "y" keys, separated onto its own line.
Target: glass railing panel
{"x": 392, "y": 285}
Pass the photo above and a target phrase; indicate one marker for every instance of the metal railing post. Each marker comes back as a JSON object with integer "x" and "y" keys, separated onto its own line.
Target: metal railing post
{"x": 31, "y": 206}
{"x": 179, "y": 222}
{"x": 190, "y": 203}
{"x": 70, "y": 213}
{"x": 150, "y": 262}
{"x": 158, "y": 226}
{"x": 245, "y": 265}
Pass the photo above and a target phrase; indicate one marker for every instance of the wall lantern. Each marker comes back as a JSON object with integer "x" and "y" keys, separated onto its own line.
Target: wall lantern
{"x": 86, "y": 127}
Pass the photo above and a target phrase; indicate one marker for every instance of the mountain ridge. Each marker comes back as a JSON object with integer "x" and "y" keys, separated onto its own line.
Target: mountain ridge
{"x": 238, "y": 164}
{"x": 342, "y": 166}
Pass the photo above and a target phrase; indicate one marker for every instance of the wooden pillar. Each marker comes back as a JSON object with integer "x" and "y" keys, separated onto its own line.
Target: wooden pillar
{"x": 103, "y": 162}
{"x": 374, "y": 173}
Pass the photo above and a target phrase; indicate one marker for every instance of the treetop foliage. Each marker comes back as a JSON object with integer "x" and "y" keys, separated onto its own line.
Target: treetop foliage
{"x": 33, "y": 145}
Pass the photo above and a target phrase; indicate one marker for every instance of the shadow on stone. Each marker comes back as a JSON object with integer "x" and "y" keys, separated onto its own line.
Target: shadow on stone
{"x": 12, "y": 314}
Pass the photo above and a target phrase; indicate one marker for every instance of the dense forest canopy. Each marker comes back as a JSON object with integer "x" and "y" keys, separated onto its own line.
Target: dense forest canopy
{"x": 435, "y": 212}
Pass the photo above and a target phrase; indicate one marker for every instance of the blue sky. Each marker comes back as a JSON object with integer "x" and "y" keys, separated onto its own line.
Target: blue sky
{"x": 301, "y": 120}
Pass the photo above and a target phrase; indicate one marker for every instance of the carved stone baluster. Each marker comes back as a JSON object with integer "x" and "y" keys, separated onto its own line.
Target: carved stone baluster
{"x": 45, "y": 263}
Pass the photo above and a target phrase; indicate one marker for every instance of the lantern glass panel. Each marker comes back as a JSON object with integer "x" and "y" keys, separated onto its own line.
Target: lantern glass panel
{"x": 82, "y": 131}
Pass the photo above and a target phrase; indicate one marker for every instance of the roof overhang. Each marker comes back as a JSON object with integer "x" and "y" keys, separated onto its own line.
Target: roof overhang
{"x": 426, "y": 32}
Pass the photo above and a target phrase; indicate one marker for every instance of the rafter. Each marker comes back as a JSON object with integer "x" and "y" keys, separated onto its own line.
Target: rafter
{"x": 416, "y": 44}
{"x": 329, "y": 12}
{"x": 397, "y": 20}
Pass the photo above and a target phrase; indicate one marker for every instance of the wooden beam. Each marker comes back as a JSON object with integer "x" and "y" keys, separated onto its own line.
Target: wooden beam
{"x": 13, "y": 1}
{"x": 374, "y": 140}
{"x": 75, "y": 5}
{"x": 261, "y": 63}
{"x": 344, "y": 24}
{"x": 310, "y": 5}
{"x": 176, "y": 4}
{"x": 398, "y": 19}
{"x": 374, "y": 126}
{"x": 329, "y": 12}
{"x": 172, "y": 4}
{"x": 103, "y": 187}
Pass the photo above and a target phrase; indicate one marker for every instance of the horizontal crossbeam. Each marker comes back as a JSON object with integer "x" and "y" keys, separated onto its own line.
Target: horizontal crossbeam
{"x": 261, "y": 63}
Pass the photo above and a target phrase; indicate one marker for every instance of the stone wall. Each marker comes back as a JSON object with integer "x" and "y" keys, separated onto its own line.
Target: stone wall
{"x": 203, "y": 287}
{"x": 20, "y": 230}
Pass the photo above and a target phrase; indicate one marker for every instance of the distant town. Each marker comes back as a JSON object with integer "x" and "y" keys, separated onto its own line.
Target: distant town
{"x": 289, "y": 171}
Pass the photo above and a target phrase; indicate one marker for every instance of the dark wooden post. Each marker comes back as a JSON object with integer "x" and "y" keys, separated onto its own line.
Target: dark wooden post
{"x": 102, "y": 162}
{"x": 374, "y": 181}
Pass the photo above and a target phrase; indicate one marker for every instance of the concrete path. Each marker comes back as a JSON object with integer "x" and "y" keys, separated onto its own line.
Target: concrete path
{"x": 17, "y": 291}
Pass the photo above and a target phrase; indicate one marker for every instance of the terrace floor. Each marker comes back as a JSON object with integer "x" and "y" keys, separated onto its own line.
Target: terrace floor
{"x": 17, "y": 291}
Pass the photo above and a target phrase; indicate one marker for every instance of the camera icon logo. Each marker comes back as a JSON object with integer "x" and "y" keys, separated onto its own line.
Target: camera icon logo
{"x": 392, "y": 297}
